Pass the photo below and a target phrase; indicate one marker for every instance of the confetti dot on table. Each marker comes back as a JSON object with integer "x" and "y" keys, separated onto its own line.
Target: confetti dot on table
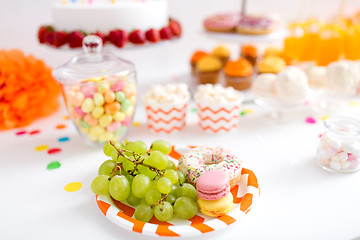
{"x": 20, "y": 133}
{"x": 53, "y": 165}
{"x": 354, "y": 103}
{"x": 73, "y": 187}
{"x": 194, "y": 110}
{"x": 135, "y": 124}
{"x": 246, "y": 111}
{"x": 34, "y": 132}
{"x": 54, "y": 150}
{"x": 310, "y": 120}
{"x": 63, "y": 139}
{"x": 60, "y": 126}
{"x": 66, "y": 117}
{"x": 324, "y": 117}
{"x": 41, "y": 148}
{"x": 320, "y": 135}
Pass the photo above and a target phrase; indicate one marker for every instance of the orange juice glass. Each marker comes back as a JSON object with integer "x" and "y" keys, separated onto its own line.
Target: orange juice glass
{"x": 311, "y": 39}
{"x": 293, "y": 44}
{"x": 352, "y": 43}
{"x": 329, "y": 47}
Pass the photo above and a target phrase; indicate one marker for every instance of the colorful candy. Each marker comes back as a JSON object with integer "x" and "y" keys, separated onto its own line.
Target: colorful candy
{"x": 102, "y": 108}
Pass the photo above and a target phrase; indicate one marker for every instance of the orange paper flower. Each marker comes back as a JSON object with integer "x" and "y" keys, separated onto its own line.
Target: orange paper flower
{"x": 27, "y": 89}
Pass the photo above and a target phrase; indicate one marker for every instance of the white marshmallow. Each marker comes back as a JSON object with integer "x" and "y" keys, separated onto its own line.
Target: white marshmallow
{"x": 317, "y": 76}
{"x": 217, "y": 94}
{"x": 353, "y": 147}
{"x": 345, "y": 165}
{"x": 264, "y": 85}
{"x": 331, "y": 142}
{"x": 167, "y": 93}
{"x": 335, "y": 165}
{"x": 292, "y": 85}
{"x": 329, "y": 151}
{"x": 342, "y": 77}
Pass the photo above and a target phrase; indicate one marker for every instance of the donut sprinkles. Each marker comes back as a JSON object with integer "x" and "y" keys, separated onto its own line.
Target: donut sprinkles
{"x": 202, "y": 159}
{"x": 222, "y": 22}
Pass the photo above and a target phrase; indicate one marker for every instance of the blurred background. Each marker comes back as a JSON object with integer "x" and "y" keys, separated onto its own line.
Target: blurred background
{"x": 20, "y": 20}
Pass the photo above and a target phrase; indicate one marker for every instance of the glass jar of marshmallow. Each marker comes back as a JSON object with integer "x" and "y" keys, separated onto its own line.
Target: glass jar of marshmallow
{"x": 339, "y": 147}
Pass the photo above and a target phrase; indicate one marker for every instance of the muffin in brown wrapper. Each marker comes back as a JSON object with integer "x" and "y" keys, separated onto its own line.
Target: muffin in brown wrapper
{"x": 208, "y": 70}
{"x": 208, "y": 77}
{"x": 238, "y": 74}
{"x": 239, "y": 83}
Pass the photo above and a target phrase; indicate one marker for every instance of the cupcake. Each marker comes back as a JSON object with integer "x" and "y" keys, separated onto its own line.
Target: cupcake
{"x": 271, "y": 64}
{"x": 208, "y": 70}
{"x": 250, "y": 53}
{"x": 194, "y": 58}
{"x": 274, "y": 51}
{"x": 166, "y": 107}
{"x": 218, "y": 107}
{"x": 238, "y": 74}
{"x": 221, "y": 52}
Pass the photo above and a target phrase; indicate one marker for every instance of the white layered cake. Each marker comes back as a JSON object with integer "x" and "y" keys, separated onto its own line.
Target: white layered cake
{"x": 105, "y": 15}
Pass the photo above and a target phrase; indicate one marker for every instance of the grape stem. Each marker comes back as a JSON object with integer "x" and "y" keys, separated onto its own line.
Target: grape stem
{"x": 113, "y": 172}
{"x": 160, "y": 201}
{"x": 138, "y": 160}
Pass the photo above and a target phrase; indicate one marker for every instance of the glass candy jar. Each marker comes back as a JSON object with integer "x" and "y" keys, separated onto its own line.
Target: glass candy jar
{"x": 99, "y": 90}
{"x": 339, "y": 147}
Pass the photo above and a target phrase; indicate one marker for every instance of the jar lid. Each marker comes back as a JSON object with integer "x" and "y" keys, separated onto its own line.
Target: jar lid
{"x": 92, "y": 63}
{"x": 344, "y": 126}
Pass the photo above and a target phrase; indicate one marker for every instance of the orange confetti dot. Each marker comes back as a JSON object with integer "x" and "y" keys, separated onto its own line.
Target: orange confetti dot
{"x": 66, "y": 117}
{"x": 73, "y": 187}
{"x": 61, "y": 126}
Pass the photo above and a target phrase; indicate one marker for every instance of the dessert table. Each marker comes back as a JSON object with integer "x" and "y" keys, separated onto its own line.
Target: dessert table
{"x": 46, "y": 170}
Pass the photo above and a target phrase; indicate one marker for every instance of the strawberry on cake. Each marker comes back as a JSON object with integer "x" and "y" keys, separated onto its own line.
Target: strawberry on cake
{"x": 116, "y": 22}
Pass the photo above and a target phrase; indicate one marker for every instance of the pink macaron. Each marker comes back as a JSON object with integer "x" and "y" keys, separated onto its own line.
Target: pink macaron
{"x": 212, "y": 185}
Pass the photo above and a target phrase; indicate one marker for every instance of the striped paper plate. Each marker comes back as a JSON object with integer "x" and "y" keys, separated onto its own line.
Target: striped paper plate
{"x": 245, "y": 194}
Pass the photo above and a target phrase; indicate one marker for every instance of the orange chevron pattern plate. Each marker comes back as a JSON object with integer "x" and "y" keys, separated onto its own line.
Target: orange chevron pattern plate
{"x": 245, "y": 195}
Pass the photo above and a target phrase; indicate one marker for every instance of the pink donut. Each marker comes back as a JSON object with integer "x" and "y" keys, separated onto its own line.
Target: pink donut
{"x": 222, "y": 22}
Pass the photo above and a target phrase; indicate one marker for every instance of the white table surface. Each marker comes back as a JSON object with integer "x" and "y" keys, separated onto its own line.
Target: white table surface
{"x": 299, "y": 200}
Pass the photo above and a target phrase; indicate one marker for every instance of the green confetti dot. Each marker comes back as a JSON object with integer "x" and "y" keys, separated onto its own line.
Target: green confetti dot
{"x": 243, "y": 113}
{"x": 194, "y": 110}
{"x": 53, "y": 165}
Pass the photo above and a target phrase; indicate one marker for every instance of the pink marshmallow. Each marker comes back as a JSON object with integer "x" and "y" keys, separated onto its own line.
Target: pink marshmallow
{"x": 89, "y": 91}
{"x": 113, "y": 126}
{"x": 118, "y": 86}
{"x": 126, "y": 121}
{"x": 351, "y": 157}
{"x": 79, "y": 111}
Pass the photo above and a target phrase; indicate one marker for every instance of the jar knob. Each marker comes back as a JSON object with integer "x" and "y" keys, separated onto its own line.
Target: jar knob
{"x": 92, "y": 44}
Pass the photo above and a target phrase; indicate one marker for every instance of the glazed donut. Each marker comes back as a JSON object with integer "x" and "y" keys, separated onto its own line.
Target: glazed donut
{"x": 202, "y": 159}
{"x": 222, "y": 22}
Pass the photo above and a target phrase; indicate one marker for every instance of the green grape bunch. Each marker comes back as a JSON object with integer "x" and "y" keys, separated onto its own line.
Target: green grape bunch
{"x": 145, "y": 179}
